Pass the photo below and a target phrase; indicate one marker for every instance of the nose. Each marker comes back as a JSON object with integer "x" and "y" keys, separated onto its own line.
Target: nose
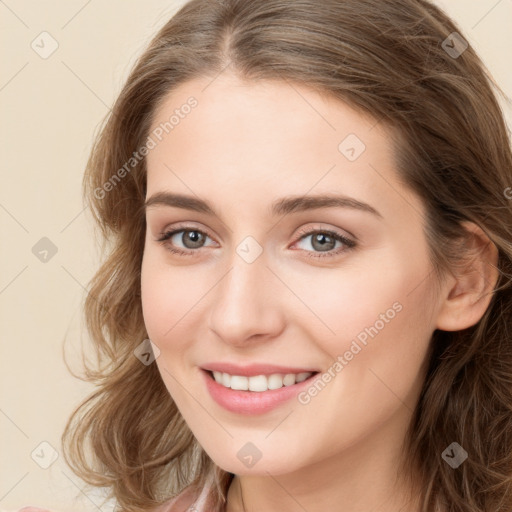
{"x": 245, "y": 306}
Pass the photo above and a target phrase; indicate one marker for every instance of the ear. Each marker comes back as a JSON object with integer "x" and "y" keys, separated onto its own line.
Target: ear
{"x": 468, "y": 292}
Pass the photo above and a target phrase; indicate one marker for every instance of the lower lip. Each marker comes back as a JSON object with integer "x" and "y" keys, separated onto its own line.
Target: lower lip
{"x": 252, "y": 402}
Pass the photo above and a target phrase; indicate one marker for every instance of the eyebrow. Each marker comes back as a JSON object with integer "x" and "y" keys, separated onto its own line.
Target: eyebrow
{"x": 281, "y": 206}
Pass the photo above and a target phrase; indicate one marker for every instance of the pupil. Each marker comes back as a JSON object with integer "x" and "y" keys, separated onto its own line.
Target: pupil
{"x": 195, "y": 238}
{"x": 324, "y": 240}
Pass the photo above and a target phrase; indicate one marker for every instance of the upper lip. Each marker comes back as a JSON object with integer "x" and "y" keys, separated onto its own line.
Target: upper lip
{"x": 254, "y": 369}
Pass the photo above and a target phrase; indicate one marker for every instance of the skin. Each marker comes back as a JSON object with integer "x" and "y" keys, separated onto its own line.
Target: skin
{"x": 244, "y": 146}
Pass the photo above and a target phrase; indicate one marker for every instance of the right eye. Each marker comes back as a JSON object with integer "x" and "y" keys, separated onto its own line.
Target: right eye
{"x": 191, "y": 239}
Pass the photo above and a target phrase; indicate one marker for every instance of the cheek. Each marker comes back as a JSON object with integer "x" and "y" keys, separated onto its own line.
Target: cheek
{"x": 172, "y": 300}
{"x": 378, "y": 305}
{"x": 162, "y": 294}
{"x": 168, "y": 296}
{"x": 382, "y": 328}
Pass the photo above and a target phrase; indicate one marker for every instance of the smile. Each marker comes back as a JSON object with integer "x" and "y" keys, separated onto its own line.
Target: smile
{"x": 259, "y": 383}
{"x": 255, "y": 394}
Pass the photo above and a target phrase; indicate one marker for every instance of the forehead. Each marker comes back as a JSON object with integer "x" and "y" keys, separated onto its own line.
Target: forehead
{"x": 252, "y": 141}
{"x": 226, "y": 103}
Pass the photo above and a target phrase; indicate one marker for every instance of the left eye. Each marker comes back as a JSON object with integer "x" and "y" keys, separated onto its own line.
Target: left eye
{"x": 324, "y": 241}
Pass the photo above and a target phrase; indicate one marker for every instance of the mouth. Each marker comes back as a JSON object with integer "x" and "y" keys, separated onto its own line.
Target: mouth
{"x": 260, "y": 398}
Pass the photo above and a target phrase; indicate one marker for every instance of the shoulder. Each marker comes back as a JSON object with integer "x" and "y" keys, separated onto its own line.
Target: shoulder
{"x": 185, "y": 501}
{"x": 189, "y": 500}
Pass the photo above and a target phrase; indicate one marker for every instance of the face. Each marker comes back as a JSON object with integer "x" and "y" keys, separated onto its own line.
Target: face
{"x": 276, "y": 275}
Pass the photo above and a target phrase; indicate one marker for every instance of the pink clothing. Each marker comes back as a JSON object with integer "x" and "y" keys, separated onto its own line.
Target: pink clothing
{"x": 187, "y": 502}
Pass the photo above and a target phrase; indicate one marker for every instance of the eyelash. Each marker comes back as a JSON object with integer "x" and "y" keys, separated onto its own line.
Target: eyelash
{"x": 349, "y": 244}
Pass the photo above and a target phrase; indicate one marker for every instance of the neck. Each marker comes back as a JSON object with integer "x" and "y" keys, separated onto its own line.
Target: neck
{"x": 364, "y": 476}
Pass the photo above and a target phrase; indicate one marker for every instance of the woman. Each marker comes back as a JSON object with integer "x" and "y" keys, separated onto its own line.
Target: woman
{"x": 308, "y": 214}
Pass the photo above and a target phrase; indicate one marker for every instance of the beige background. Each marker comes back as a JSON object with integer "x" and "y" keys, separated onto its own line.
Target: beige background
{"x": 50, "y": 110}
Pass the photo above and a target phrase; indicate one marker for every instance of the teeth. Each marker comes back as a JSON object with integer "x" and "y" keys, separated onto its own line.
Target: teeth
{"x": 238, "y": 382}
{"x": 259, "y": 383}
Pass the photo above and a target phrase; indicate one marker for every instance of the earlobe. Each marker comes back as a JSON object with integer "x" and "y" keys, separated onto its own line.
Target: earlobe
{"x": 468, "y": 293}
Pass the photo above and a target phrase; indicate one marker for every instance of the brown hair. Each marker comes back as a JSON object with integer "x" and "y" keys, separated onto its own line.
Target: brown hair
{"x": 386, "y": 58}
